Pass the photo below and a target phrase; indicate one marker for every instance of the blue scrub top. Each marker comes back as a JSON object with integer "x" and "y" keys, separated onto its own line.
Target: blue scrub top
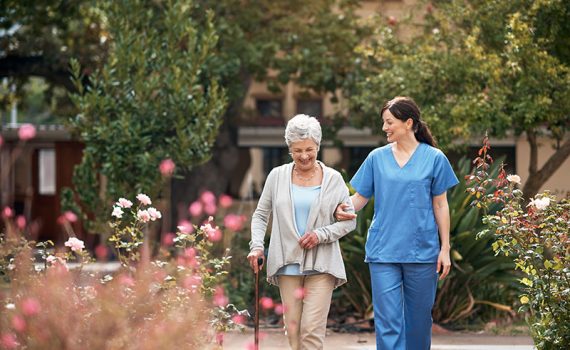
{"x": 403, "y": 229}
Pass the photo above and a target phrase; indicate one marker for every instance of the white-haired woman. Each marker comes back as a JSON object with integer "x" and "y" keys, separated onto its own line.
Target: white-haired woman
{"x": 304, "y": 258}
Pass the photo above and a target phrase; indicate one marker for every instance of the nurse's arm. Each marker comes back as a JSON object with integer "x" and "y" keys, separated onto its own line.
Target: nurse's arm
{"x": 441, "y": 212}
{"x": 358, "y": 202}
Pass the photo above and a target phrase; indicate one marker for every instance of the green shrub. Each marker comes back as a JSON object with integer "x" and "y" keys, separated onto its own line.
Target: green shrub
{"x": 535, "y": 237}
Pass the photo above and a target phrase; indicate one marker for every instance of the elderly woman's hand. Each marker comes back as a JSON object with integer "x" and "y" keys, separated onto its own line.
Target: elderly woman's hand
{"x": 253, "y": 256}
{"x": 309, "y": 240}
{"x": 341, "y": 215}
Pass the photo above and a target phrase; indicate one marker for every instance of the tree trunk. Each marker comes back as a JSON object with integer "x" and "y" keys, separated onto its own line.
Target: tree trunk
{"x": 536, "y": 177}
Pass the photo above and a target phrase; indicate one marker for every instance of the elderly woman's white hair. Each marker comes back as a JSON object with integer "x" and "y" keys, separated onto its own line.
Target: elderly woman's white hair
{"x": 302, "y": 127}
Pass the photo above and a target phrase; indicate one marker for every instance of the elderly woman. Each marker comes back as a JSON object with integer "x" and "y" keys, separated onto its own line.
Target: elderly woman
{"x": 304, "y": 258}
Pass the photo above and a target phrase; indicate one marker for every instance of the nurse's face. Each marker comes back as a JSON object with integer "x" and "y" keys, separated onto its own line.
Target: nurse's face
{"x": 304, "y": 154}
{"x": 394, "y": 128}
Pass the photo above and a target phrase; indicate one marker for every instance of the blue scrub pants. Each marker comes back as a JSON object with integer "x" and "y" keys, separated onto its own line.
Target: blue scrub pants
{"x": 403, "y": 297}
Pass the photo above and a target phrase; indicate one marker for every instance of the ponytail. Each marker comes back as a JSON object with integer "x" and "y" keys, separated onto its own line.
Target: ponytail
{"x": 423, "y": 134}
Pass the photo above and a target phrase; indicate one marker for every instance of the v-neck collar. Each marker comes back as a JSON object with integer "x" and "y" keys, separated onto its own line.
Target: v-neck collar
{"x": 409, "y": 159}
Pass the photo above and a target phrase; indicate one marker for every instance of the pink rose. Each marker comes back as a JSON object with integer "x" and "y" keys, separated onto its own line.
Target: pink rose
{"x": 117, "y": 212}
{"x": 225, "y": 201}
{"x": 75, "y": 244}
{"x": 266, "y": 303}
{"x": 220, "y": 298}
{"x": 185, "y": 226}
{"x": 144, "y": 199}
{"x": 30, "y": 306}
{"x": 143, "y": 215}
{"x": 27, "y": 132}
{"x": 208, "y": 197}
{"x": 18, "y": 323}
{"x": 168, "y": 239}
{"x": 70, "y": 216}
{"x": 210, "y": 208}
{"x": 154, "y": 214}
{"x": 21, "y": 222}
{"x": 7, "y": 212}
{"x": 234, "y": 222}
{"x": 167, "y": 167}
{"x": 279, "y": 309}
{"x": 124, "y": 203}
{"x": 213, "y": 233}
{"x": 238, "y": 319}
{"x": 101, "y": 252}
{"x": 195, "y": 209}
{"x": 8, "y": 341}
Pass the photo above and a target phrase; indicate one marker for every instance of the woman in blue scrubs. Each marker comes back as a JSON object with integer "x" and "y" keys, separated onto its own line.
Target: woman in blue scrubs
{"x": 408, "y": 240}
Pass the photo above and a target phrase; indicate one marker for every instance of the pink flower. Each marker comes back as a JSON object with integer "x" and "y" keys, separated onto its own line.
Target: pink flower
{"x": 143, "y": 215}
{"x": 8, "y": 341}
{"x": 70, "y": 216}
{"x": 167, "y": 167}
{"x": 210, "y": 209}
{"x": 7, "y": 213}
{"x": 279, "y": 309}
{"x": 195, "y": 209}
{"x": 213, "y": 233}
{"x": 101, "y": 252}
{"x": 124, "y": 203}
{"x": 18, "y": 323}
{"x": 30, "y": 307}
{"x": 299, "y": 293}
{"x": 21, "y": 222}
{"x": 75, "y": 244}
{"x": 192, "y": 282}
{"x": 27, "y": 132}
{"x": 185, "y": 226}
{"x": 238, "y": 319}
{"x": 514, "y": 179}
{"x": 154, "y": 214}
{"x": 220, "y": 298}
{"x": 117, "y": 212}
{"x": 219, "y": 338}
{"x": 168, "y": 239}
{"x": 266, "y": 303}
{"x": 208, "y": 197}
{"x": 144, "y": 199}
{"x": 234, "y": 222}
{"x": 225, "y": 201}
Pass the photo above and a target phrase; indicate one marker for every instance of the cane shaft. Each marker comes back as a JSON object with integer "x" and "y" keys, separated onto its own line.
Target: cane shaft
{"x": 256, "y": 320}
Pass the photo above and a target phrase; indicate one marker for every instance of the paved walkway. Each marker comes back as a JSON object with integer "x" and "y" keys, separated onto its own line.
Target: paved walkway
{"x": 273, "y": 339}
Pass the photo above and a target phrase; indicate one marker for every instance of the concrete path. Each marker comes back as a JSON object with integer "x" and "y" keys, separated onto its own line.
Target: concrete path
{"x": 274, "y": 339}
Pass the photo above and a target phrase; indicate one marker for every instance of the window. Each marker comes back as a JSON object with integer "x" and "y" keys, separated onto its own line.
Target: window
{"x": 312, "y": 107}
{"x": 273, "y": 157}
{"x": 269, "y": 108}
{"x": 46, "y": 166}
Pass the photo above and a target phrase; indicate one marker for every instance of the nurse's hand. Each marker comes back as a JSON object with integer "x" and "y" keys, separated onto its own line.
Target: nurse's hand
{"x": 309, "y": 240}
{"x": 443, "y": 263}
{"x": 253, "y": 256}
{"x": 341, "y": 215}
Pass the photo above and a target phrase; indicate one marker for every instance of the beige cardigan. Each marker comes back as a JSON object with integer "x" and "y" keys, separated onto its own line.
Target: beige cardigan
{"x": 284, "y": 249}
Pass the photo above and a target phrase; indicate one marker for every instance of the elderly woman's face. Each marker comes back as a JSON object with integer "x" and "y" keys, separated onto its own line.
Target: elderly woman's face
{"x": 304, "y": 154}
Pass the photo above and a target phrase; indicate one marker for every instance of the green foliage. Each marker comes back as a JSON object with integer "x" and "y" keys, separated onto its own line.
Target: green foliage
{"x": 535, "y": 236}
{"x": 154, "y": 98}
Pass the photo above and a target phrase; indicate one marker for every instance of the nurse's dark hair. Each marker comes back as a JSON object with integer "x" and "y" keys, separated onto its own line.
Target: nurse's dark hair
{"x": 404, "y": 108}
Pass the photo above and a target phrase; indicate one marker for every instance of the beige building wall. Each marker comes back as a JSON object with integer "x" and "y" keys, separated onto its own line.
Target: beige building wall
{"x": 559, "y": 183}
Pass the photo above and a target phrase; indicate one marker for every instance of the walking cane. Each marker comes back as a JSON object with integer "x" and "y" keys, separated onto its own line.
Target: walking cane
{"x": 256, "y": 318}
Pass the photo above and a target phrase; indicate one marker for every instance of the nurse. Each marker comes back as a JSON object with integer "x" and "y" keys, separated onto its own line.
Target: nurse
{"x": 408, "y": 238}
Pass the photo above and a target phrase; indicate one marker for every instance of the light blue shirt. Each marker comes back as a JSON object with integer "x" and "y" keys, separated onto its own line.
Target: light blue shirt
{"x": 303, "y": 199}
{"x": 403, "y": 229}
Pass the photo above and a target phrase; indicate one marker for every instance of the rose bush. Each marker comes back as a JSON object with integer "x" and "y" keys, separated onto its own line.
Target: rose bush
{"x": 536, "y": 236}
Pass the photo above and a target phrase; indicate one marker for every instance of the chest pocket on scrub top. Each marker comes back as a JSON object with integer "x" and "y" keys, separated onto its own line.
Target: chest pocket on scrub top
{"x": 420, "y": 194}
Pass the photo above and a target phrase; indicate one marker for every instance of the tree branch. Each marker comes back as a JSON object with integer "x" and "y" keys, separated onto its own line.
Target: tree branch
{"x": 538, "y": 178}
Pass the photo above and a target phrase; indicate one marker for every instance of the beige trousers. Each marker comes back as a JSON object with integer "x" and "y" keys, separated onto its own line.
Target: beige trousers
{"x": 306, "y": 301}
